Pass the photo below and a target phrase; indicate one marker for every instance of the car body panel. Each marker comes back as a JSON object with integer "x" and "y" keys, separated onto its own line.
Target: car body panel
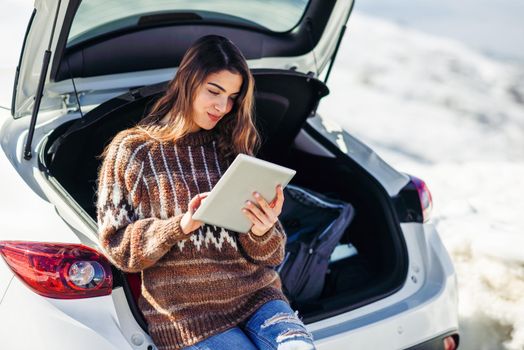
{"x": 28, "y": 191}
{"x": 30, "y": 321}
{"x": 41, "y": 221}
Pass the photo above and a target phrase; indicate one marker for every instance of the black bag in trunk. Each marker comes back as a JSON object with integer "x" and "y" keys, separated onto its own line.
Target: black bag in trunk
{"x": 314, "y": 225}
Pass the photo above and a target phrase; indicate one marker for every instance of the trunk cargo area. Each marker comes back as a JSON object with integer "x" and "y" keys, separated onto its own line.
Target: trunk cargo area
{"x": 284, "y": 100}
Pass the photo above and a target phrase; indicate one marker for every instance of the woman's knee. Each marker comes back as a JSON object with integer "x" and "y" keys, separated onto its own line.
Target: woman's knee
{"x": 276, "y": 326}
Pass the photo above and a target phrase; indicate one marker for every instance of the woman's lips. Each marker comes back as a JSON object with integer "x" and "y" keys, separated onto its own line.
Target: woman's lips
{"x": 213, "y": 117}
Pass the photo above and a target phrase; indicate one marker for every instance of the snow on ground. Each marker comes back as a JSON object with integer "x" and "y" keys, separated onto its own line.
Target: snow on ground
{"x": 437, "y": 110}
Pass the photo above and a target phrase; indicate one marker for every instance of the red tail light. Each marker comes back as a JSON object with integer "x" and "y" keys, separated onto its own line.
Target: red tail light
{"x": 60, "y": 271}
{"x": 426, "y": 202}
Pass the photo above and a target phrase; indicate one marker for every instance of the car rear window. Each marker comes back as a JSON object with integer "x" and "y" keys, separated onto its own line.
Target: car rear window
{"x": 98, "y": 17}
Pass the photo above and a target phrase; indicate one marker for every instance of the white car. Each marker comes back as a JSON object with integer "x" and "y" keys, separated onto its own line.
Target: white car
{"x": 90, "y": 69}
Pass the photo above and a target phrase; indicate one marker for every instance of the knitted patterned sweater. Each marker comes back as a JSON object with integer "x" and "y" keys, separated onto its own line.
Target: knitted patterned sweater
{"x": 194, "y": 285}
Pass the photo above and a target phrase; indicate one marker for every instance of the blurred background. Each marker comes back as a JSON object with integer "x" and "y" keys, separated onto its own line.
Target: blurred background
{"x": 436, "y": 88}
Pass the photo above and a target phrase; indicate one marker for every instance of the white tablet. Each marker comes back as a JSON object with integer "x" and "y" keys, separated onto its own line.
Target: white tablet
{"x": 223, "y": 206}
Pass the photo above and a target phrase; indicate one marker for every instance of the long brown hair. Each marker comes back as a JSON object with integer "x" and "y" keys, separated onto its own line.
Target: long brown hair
{"x": 209, "y": 54}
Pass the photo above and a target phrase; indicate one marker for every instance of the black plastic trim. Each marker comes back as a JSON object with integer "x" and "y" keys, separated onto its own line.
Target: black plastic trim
{"x": 62, "y": 38}
{"x": 407, "y": 204}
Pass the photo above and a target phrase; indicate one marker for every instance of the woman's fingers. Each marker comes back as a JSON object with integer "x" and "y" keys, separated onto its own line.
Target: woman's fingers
{"x": 199, "y": 197}
{"x": 193, "y": 204}
{"x": 268, "y": 211}
{"x": 252, "y": 217}
{"x": 264, "y": 215}
{"x": 261, "y": 215}
{"x": 196, "y": 201}
{"x": 258, "y": 228}
{"x": 187, "y": 223}
{"x": 273, "y": 209}
{"x": 279, "y": 200}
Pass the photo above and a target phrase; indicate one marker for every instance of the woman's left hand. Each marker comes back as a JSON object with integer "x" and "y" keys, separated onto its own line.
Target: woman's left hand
{"x": 262, "y": 214}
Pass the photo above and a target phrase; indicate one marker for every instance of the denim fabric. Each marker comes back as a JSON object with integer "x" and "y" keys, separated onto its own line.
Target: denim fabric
{"x": 273, "y": 326}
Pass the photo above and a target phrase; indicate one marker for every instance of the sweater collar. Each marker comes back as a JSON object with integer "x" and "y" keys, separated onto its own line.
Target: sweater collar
{"x": 198, "y": 138}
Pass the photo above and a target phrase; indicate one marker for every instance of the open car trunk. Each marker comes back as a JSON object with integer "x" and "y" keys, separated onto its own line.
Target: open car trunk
{"x": 284, "y": 100}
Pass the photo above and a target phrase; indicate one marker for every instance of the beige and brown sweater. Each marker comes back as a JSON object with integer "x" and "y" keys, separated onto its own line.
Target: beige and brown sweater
{"x": 194, "y": 285}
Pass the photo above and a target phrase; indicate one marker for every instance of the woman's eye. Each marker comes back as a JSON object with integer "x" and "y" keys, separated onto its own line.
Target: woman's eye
{"x": 213, "y": 92}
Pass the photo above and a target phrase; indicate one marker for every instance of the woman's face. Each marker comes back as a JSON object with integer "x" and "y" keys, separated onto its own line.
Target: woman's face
{"x": 215, "y": 98}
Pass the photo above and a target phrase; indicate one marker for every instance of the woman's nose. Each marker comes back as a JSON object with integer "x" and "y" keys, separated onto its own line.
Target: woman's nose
{"x": 221, "y": 105}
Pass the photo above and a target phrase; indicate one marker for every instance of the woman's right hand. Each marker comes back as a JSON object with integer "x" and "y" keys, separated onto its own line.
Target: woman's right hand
{"x": 187, "y": 224}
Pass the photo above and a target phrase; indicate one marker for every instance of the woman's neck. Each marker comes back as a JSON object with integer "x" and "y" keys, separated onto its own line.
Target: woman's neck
{"x": 195, "y": 128}
{"x": 165, "y": 119}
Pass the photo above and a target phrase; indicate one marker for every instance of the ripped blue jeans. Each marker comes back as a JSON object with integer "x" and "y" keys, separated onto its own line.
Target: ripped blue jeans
{"x": 273, "y": 326}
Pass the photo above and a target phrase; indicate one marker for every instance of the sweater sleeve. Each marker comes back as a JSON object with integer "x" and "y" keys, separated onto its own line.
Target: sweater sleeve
{"x": 130, "y": 243}
{"x": 268, "y": 249}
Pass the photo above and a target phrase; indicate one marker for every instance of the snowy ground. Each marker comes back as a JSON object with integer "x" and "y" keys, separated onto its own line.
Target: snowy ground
{"x": 439, "y": 111}
{"x": 435, "y": 109}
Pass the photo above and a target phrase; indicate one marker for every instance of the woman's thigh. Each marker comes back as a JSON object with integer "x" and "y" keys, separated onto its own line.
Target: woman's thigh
{"x": 233, "y": 338}
{"x": 276, "y": 326}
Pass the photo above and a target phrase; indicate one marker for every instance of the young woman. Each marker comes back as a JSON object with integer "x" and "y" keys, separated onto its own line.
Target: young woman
{"x": 203, "y": 287}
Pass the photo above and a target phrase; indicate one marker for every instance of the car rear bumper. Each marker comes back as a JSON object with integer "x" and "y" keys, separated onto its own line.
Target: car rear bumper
{"x": 30, "y": 321}
{"x": 428, "y": 313}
